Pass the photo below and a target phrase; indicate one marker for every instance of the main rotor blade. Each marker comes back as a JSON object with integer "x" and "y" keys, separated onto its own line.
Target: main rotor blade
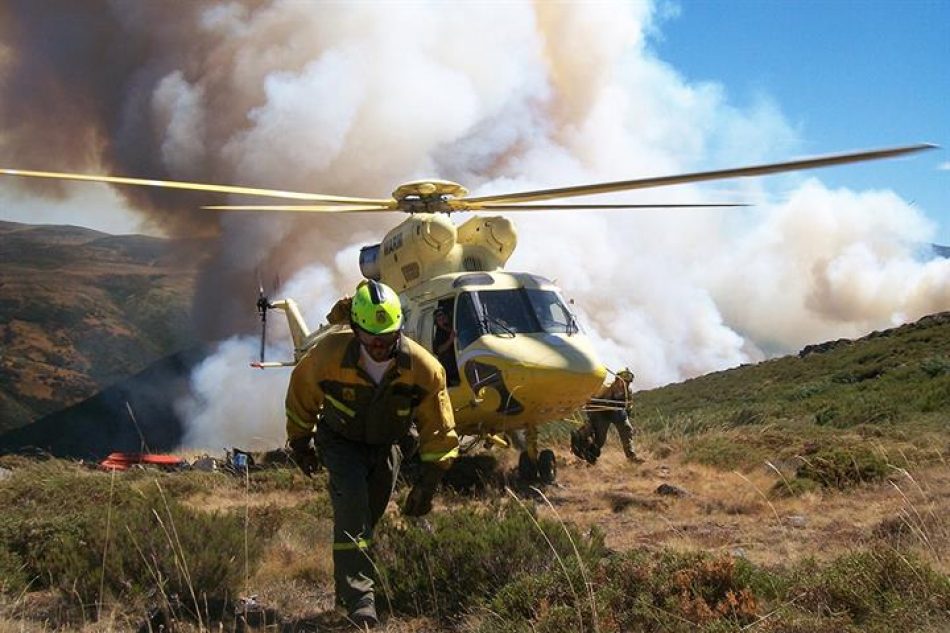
{"x": 193, "y": 186}
{"x": 559, "y": 207}
{"x": 739, "y": 172}
{"x": 304, "y": 208}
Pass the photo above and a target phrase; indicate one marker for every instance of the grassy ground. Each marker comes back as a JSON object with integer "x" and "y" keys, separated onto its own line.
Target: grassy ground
{"x": 601, "y": 551}
{"x": 783, "y": 517}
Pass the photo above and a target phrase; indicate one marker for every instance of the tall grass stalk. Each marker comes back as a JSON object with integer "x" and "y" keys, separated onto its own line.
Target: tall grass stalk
{"x": 580, "y": 562}
{"x": 179, "y": 551}
{"x": 567, "y": 575}
{"x": 761, "y": 494}
{"x": 247, "y": 523}
{"x": 778, "y": 472}
{"x": 916, "y": 527}
{"x": 383, "y": 580}
{"x": 105, "y": 546}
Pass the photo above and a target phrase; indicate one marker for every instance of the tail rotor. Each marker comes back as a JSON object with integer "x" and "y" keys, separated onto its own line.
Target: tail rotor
{"x": 263, "y": 305}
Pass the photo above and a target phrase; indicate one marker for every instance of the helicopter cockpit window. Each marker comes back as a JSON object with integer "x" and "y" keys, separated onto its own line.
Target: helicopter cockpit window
{"x": 553, "y": 315}
{"x": 507, "y": 312}
{"x": 510, "y": 312}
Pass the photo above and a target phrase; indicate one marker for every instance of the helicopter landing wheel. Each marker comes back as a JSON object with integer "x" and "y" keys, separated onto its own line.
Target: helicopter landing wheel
{"x": 547, "y": 466}
{"x": 527, "y": 467}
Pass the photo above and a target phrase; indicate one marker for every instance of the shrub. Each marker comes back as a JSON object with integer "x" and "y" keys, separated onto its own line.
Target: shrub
{"x": 840, "y": 468}
{"x": 719, "y": 450}
{"x": 935, "y": 366}
{"x": 470, "y": 554}
{"x": 808, "y": 390}
{"x": 60, "y": 526}
{"x": 13, "y": 577}
{"x": 879, "y": 587}
{"x": 634, "y": 591}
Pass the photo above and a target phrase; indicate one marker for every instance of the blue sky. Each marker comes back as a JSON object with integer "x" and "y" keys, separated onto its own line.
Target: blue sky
{"x": 845, "y": 74}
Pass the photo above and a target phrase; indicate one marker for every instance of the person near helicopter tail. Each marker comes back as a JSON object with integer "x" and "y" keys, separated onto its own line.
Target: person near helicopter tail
{"x": 363, "y": 389}
{"x": 610, "y": 406}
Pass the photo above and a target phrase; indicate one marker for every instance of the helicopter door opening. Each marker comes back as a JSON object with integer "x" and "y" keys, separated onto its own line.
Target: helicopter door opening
{"x": 444, "y": 340}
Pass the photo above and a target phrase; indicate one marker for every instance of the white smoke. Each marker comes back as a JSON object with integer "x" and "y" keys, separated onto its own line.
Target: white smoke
{"x": 672, "y": 294}
{"x": 352, "y": 99}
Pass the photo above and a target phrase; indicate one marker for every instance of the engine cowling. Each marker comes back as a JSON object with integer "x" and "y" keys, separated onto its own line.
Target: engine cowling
{"x": 427, "y": 245}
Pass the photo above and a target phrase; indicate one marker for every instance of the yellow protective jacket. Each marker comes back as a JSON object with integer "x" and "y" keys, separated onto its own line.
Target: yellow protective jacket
{"x": 330, "y": 382}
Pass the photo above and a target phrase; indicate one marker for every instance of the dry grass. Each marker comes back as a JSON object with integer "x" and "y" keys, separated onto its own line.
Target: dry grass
{"x": 724, "y": 511}
{"x": 734, "y": 512}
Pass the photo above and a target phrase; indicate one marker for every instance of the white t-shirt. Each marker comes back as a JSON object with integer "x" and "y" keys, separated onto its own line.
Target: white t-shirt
{"x": 375, "y": 369}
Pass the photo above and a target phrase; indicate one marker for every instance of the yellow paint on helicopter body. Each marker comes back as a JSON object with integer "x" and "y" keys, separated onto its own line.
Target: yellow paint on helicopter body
{"x": 543, "y": 391}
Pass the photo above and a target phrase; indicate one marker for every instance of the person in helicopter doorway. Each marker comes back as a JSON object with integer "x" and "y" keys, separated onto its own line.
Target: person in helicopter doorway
{"x": 443, "y": 345}
{"x": 609, "y": 407}
{"x": 358, "y": 393}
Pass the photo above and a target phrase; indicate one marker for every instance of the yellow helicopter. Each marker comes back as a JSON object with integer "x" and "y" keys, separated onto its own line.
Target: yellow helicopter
{"x": 518, "y": 358}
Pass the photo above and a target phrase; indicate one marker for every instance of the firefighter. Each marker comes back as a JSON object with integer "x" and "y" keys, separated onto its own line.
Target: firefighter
{"x": 365, "y": 389}
{"x": 610, "y": 406}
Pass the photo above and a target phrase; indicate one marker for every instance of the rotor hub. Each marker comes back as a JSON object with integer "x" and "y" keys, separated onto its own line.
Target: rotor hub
{"x": 428, "y": 196}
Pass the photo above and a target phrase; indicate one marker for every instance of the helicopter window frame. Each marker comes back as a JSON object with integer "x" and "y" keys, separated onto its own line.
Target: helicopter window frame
{"x": 426, "y": 324}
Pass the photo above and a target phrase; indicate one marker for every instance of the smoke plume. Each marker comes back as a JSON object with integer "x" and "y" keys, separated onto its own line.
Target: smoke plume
{"x": 355, "y": 98}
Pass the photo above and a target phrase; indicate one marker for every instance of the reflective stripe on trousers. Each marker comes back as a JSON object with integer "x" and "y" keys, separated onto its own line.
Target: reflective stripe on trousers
{"x": 362, "y": 479}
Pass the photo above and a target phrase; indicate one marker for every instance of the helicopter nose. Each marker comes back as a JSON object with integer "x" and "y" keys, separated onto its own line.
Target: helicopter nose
{"x": 544, "y": 377}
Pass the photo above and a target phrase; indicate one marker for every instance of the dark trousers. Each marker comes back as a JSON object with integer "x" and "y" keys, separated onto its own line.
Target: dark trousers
{"x": 362, "y": 480}
{"x": 600, "y": 422}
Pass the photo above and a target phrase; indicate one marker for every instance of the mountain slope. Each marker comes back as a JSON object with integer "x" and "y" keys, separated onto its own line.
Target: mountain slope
{"x": 102, "y": 424}
{"x": 80, "y": 309}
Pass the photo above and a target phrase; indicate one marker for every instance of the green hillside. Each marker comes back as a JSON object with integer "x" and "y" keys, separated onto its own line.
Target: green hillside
{"x": 891, "y": 385}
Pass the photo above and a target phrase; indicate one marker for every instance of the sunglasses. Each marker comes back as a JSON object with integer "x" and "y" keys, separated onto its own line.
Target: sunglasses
{"x": 382, "y": 339}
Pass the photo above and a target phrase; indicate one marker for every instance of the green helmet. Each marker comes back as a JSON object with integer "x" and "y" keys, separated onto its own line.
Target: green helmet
{"x": 376, "y": 308}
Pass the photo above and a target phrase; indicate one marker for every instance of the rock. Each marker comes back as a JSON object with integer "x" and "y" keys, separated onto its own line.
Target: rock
{"x": 670, "y": 490}
{"x": 796, "y": 521}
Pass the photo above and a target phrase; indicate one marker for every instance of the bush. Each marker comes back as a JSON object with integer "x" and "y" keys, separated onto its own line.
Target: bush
{"x": 59, "y": 527}
{"x": 642, "y": 592}
{"x": 635, "y": 591}
{"x": 470, "y": 554}
{"x": 840, "y": 468}
{"x": 13, "y": 578}
{"x": 935, "y": 366}
{"x": 879, "y": 587}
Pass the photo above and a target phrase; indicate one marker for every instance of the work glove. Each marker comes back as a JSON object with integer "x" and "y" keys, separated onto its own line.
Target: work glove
{"x": 305, "y": 455}
{"x": 419, "y": 501}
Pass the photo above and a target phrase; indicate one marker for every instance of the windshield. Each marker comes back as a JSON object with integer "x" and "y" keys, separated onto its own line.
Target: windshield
{"x": 510, "y": 312}
{"x": 551, "y": 312}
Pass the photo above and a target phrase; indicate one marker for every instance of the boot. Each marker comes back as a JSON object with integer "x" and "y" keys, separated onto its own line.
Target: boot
{"x": 363, "y": 613}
